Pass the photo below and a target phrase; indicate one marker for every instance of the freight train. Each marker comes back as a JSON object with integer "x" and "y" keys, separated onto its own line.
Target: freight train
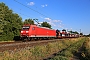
{"x": 34, "y": 32}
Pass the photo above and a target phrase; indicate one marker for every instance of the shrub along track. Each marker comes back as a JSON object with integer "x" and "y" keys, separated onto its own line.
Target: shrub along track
{"x": 9, "y": 46}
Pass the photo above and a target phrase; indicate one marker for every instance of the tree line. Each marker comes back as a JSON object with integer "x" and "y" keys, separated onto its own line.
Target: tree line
{"x": 11, "y": 23}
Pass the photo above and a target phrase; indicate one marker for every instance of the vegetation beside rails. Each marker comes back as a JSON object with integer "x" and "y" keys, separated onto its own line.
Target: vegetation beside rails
{"x": 6, "y": 41}
{"x": 38, "y": 52}
{"x": 85, "y": 53}
{"x": 69, "y": 52}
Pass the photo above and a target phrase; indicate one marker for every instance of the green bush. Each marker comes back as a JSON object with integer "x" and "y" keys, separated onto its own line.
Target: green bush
{"x": 66, "y": 53}
{"x": 59, "y": 58}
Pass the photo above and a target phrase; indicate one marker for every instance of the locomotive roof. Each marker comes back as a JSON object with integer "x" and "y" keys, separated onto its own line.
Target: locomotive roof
{"x": 37, "y": 26}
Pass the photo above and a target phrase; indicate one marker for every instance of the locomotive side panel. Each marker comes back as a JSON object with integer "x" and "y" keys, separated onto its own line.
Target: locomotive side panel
{"x": 30, "y": 32}
{"x": 44, "y": 32}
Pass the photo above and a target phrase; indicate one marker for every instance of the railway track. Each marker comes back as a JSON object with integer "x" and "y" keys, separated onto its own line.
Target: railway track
{"x": 19, "y": 45}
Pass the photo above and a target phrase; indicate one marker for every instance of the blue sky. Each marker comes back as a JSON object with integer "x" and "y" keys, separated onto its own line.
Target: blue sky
{"x": 61, "y": 14}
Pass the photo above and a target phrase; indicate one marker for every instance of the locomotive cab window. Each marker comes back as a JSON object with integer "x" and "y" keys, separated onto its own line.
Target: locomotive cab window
{"x": 25, "y": 27}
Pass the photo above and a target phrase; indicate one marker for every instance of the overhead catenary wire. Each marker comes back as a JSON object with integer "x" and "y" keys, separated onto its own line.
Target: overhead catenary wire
{"x": 36, "y": 7}
{"x": 30, "y": 8}
{"x": 33, "y": 10}
{"x": 36, "y": 20}
{"x": 13, "y": 11}
{"x": 23, "y": 14}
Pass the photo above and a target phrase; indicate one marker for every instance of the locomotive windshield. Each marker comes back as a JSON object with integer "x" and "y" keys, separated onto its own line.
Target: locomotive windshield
{"x": 25, "y": 27}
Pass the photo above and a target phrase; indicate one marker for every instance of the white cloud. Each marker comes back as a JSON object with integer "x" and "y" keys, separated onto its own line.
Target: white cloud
{"x": 51, "y": 23}
{"x": 47, "y": 19}
{"x": 60, "y": 26}
{"x": 55, "y": 23}
{"x": 31, "y": 3}
{"x": 41, "y": 17}
{"x": 40, "y": 22}
{"x": 44, "y": 5}
{"x": 60, "y": 23}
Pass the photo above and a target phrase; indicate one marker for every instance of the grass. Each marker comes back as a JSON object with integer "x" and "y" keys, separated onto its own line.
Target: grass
{"x": 59, "y": 58}
{"x": 86, "y": 50}
{"x": 6, "y": 41}
{"x": 38, "y": 52}
{"x": 67, "y": 54}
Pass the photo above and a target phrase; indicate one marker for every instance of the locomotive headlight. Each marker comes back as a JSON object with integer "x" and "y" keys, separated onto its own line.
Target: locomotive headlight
{"x": 27, "y": 31}
{"x": 21, "y": 31}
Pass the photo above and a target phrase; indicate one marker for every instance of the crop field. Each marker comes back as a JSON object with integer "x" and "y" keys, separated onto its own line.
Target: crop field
{"x": 62, "y": 50}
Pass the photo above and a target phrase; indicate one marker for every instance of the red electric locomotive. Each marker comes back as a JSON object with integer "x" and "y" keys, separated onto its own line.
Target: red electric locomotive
{"x": 36, "y": 32}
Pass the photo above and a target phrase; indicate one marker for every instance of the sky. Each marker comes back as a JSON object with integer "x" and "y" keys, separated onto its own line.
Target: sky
{"x": 60, "y": 14}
